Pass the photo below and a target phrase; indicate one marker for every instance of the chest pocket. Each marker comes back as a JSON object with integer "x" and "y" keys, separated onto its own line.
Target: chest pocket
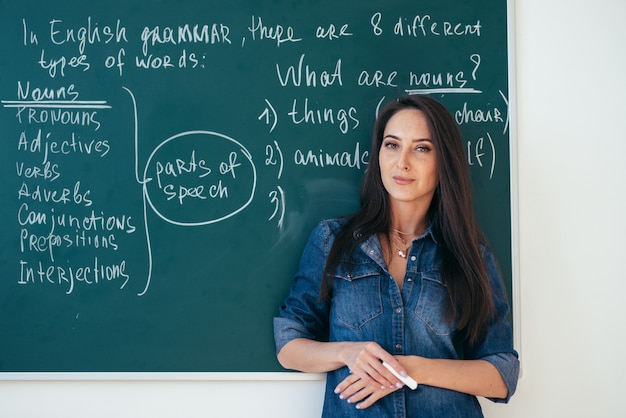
{"x": 357, "y": 296}
{"x": 432, "y": 302}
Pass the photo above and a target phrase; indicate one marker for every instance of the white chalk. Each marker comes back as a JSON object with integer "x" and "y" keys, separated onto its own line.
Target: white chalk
{"x": 406, "y": 380}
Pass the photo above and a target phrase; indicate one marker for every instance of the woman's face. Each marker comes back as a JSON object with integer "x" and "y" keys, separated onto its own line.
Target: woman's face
{"x": 407, "y": 158}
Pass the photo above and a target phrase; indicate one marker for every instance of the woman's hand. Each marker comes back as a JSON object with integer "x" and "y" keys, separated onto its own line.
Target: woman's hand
{"x": 355, "y": 390}
{"x": 365, "y": 362}
{"x": 364, "y": 359}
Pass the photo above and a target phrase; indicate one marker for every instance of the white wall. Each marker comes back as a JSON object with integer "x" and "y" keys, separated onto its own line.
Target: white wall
{"x": 571, "y": 108}
{"x": 571, "y": 156}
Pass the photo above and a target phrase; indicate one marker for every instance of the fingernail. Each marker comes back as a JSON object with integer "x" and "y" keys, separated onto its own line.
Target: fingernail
{"x": 341, "y": 397}
{"x": 403, "y": 373}
{"x": 399, "y": 385}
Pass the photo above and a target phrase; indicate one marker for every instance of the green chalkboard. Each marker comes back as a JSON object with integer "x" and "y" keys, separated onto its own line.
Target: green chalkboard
{"x": 163, "y": 162}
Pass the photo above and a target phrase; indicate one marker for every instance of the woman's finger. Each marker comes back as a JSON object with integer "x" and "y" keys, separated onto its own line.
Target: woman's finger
{"x": 374, "y": 396}
{"x": 361, "y": 394}
{"x": 345, "y": 388}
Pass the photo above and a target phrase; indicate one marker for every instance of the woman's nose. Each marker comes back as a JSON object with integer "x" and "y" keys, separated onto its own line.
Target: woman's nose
{"x": 403, "y": 160}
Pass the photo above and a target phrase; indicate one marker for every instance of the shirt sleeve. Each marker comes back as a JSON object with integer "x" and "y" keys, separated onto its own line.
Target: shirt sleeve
{"x": 303, "y": 314}
{"x": 497, "y": 347}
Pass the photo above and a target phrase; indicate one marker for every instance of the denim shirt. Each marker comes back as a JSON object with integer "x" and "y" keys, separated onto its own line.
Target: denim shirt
{"x": 368, "y": 305}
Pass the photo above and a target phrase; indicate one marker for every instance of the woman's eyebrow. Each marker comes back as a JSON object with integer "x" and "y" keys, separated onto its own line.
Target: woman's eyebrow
{"x": 413, "y": 140}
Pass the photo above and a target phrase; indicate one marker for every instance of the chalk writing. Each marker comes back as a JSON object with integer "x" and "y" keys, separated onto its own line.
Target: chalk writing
{"x": 216, "y": 33}
{"x": 294, "y": 75}
{"x": 320, "y": 158}
{"x": 90, "y": 34}
{"x": 277, "y": 33}
{"x": 332, "y": 31}
{"x": 303, "y": 113}
{"x": 424, "y": 26}
{"x": 68, "y": 276}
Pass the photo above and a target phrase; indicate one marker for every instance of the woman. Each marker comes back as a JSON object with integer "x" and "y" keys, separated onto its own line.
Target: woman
{"x": 408, "y": 280}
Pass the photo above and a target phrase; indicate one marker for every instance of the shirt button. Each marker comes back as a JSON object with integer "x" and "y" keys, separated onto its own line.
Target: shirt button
{"x": 371, "y": 252}
{"x": 413, "y": 258}
{"x": 398, "y": 347}
{"x": 398, "y": 310}
{"x": 409, "y": 279}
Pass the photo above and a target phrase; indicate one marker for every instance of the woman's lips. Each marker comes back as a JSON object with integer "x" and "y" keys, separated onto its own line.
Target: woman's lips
{"x": 402, "y": 180}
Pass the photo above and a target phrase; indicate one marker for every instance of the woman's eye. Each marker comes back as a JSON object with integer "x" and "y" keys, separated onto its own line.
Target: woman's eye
{"x": 422, "y": 148}
{"x": 391, "y": 145}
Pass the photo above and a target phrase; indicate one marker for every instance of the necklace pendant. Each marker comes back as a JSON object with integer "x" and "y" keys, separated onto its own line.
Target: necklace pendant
{"x": 401, "y": 253}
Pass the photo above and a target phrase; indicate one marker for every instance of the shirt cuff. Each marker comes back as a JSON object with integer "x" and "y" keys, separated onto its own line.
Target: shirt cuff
{"x": 286, "y": 329}
{"x": 508, "y": 366}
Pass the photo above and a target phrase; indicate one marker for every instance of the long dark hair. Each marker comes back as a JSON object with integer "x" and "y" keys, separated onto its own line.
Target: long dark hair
{"x": 451, "y": 215}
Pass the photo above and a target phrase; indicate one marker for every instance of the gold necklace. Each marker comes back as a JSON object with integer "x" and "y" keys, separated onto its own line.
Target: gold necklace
{"x": 402, "y": 252}
{"x": 405, "y": 244}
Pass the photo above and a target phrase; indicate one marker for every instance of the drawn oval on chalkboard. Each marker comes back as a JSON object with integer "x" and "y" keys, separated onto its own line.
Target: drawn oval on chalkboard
{"x": 198, "y": 178}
